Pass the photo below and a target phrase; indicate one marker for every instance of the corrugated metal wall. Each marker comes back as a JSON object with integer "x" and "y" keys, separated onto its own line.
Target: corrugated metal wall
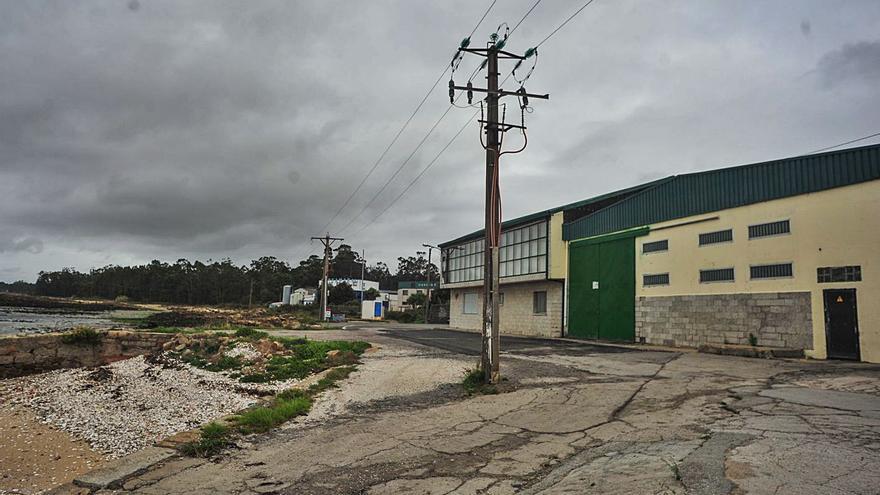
{"x": 703, "y": 192}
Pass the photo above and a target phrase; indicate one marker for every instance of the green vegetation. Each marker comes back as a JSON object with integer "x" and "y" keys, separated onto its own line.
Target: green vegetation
{"x": 214, "y": 438}
{"x": 474, "y": 385}
{"x": 753, "y": 341}
{"x": 84, "y": 336}
{"x": 283, "y": 407}
{"x": 264, "y": 418}
{"x": 408, "y": 316}
{"x": 247, "y": 333}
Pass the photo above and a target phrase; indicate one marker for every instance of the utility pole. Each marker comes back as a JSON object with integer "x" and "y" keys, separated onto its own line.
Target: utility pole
{"x": 428, "y": 300}
{"x": 363, "y": 268}
{"x": 327, "y": 241}
{"x": 494, "y": 127}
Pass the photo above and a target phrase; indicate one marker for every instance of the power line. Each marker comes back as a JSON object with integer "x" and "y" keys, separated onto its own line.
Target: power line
{"x": 419, "y": 176}
{"x": 528, "y": 12}
{"x": 402, "y": 129}
{"x": 843, "y": 144}
{"x": 572, "y": 16}
{"x": 402, "y": 165}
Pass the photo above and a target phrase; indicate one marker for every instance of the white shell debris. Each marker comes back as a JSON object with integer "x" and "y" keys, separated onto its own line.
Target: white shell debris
{"x": 245, "y": 351}
{"x": 130, "y": 404}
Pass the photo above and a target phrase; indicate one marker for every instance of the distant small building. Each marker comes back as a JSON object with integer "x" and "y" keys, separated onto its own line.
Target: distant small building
{"x": 303, "y": 295}
{"x": 409, "y": 288}
{"x": 359, "y": 286}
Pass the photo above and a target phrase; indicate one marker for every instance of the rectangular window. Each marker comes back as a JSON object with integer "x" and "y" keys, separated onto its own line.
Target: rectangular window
{"x": 405, "y": 292}
{"x": 716, "y": 237}
{"x": 539, "y": 302}
{"x": 828, "y": 274}
{"x": 716, "y": 275}
{"x": 656, "y": 279}
{"x": 779, "y": 270}
{"x": 470, "y": 303}
{"x": 500, "y": 298}
{"x": 769, "y": 229}
{"x": 653, "y": 247}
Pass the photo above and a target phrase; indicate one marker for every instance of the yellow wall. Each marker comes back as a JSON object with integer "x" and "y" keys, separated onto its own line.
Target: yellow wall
{"x": 838, "y": 227}
{"x": 558, "y": 249}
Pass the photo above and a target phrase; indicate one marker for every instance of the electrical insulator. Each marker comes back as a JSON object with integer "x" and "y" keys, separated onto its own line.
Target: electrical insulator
{"x": 525, "y": 97}
{"x": 451, "y": 91}
{"x": 470, "y": 93}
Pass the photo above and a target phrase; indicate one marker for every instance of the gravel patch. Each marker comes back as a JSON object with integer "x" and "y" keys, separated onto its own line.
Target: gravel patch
{"x": 130, "y": 404}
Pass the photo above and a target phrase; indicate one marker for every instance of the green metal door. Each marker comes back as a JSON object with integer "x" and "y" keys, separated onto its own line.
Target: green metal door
{"x": 602, "y": 288}
{"x": 617, "y": 290}
{"x": 583, "y": 320}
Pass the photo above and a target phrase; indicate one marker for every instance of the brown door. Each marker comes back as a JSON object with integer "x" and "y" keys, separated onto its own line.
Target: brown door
{"x": 841, "y": 324}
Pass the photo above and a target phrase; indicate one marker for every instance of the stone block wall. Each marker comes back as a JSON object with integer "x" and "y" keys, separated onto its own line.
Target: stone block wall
{"x": 779, "y": 319}
{"x": 517, "y": 317}
{"x": 31, "y": 354}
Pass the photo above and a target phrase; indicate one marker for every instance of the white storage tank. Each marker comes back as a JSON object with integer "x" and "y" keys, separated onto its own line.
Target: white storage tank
{"x": 285, "y": 294}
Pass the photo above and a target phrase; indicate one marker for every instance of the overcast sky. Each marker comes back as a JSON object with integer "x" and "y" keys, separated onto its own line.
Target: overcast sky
{"x": 139, "y": 130}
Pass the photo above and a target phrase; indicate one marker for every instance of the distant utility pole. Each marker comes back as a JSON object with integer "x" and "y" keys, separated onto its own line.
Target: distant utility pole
{"x": 363, "y": 268}
{"x": 327, "y": 241}
{"x": 494, "y": 129}
{"x": 428, "y": 300}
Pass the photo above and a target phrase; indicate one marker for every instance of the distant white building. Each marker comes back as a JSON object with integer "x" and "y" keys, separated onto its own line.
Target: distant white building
{"x": 303, "y": 296}
{"x": 359, "y": 286}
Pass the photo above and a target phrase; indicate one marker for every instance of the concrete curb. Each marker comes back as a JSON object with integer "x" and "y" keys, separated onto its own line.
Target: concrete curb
{"x": 117, "y": 472}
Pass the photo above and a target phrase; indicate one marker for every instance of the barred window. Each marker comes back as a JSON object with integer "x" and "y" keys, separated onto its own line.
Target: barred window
{"x": 780, "y": 270}
{"x": 716, "y": 237}
{"x": 716, "y": 275}
{"x": 827, "y": 274}
{"x": 655, "y": 279}
{"x": 653, "y": 247}
{"x": 769, "y": 229}
{"x": 539, "y": 302}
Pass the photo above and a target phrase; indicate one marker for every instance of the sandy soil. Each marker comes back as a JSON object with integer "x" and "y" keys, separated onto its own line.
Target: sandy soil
{"x": 35, "y": 457}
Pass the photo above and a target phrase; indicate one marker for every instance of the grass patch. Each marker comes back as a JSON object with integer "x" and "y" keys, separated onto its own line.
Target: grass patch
{"x": 214, "y": 438}
{"x": 473, "y": 383}
{"x": 264, "y": 418}
{"x": 285, "y": 406}
{"x": 83, "y": 336}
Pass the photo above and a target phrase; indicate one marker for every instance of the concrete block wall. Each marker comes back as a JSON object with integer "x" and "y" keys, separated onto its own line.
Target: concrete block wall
{"x": 31, "y": 354}
{"x": 778, "y": 319}
{"x": 517, "y": 317}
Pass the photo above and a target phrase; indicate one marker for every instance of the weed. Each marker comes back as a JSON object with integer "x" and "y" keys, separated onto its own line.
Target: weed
{"x": 330, "y": 379}
{"x": 473, "y": 383}
{"x": 84, "y": 336}
{"x": 264, "y": 418}
{"x": 753, "y": 341}
{"x": 214, "y": 438}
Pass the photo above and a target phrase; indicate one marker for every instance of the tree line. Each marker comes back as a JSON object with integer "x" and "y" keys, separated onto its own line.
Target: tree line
{"x": 222, "y": 282}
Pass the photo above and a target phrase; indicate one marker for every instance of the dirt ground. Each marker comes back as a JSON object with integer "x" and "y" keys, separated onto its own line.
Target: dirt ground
{"x": 572, "y": 419}
{"x": 35, "y": 457}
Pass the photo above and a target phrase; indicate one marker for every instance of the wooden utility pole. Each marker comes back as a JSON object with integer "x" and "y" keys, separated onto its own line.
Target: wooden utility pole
{"x": 327, "y": 241}
{"x": 428, "y": 299}
{"x": 491, "y": 341}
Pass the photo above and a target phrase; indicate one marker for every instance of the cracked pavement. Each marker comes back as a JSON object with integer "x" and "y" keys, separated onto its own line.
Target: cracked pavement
{"x": 571, "y": 418}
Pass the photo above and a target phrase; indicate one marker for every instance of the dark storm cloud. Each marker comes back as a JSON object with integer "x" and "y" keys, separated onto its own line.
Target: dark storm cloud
{"x": 859, "y": 62}
{"x": 135, "y": 129}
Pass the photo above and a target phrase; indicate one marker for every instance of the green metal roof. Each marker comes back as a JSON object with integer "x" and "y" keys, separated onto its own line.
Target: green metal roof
{"x": 704, "y": 192}
{"x": 523, "y": 220}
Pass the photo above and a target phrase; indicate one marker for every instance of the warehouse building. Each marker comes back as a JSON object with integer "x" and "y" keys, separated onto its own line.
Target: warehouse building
{"x": 783, "y": 253}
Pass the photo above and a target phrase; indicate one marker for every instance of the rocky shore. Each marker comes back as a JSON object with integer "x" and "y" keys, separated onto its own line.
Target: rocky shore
{"x": 130, "y": 404}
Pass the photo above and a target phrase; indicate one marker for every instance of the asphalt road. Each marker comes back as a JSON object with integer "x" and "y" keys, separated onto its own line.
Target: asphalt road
{"x": 468, "y": 343}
